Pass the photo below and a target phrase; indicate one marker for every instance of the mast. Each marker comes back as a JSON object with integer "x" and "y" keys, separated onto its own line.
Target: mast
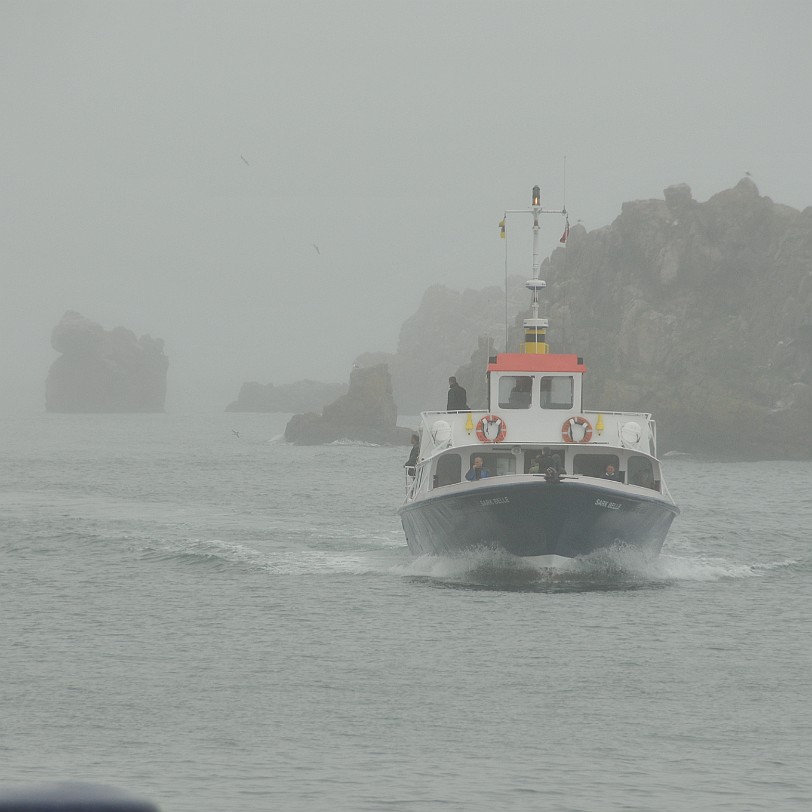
{"x": 535, "y": 328}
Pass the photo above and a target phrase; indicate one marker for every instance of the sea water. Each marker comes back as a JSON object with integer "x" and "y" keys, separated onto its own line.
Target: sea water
{"x": 199, "y": 613}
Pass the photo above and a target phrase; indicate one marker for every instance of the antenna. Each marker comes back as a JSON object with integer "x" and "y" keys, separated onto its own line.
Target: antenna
{"x": 503, "y": 234}
{"x": 564, "y": 186}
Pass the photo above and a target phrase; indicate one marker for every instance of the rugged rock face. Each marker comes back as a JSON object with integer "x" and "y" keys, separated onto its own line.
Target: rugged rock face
{"x": 104, "y": 370}
{"x": 366, "y": 413}
{"x": 441, "y": 335}
{"x": 301, "y": 396}
{"x": 700, "y": 313}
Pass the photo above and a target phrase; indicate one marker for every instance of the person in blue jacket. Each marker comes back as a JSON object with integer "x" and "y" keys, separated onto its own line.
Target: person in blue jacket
{"x": 477, "y": 470}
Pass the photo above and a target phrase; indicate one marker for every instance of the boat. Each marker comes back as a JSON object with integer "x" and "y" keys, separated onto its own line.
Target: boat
{"x": 561, "y": 481}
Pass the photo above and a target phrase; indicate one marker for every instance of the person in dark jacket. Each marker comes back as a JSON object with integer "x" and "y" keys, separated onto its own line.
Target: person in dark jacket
{"x": 610, "y": 473}
{"x": 546, "y": 460}
{"x": 457, "y": 397}
{"x": 413, "y": 455}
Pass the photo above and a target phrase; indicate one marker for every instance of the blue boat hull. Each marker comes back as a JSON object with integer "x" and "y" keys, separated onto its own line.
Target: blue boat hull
{"x": 533, "y": 517}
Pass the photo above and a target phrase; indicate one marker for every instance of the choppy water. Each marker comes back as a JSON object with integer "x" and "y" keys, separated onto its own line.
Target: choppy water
{"x": 230, "y": 623}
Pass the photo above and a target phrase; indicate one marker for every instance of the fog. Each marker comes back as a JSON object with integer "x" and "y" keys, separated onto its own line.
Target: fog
{"x": 270, "y": 187}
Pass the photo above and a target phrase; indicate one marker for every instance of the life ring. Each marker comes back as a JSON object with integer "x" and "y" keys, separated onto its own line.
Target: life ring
{"x": 566, "y": 430}
{"x": 491, "y": 429}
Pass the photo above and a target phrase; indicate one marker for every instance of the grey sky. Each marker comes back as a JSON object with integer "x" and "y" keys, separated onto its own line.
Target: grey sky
{"x": 170, "y": 166}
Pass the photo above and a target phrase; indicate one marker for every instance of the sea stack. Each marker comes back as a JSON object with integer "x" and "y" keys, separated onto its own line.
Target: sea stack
{"x": 367, "y": 413}
{"x": 104, "y": 370}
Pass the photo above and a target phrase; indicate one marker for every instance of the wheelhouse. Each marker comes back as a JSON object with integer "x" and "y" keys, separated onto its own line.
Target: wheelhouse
{"x": 532, "y": 382}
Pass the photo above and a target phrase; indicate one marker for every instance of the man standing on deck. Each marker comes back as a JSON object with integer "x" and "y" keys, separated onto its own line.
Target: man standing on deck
{"x": 457, "y": 397}
{"x": 415, "y": 453}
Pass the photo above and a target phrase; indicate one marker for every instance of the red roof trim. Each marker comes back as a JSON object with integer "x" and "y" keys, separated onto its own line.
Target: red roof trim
{"x": 521, "y": 362}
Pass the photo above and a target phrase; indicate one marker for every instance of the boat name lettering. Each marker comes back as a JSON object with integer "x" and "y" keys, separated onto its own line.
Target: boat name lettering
{"x": 496, "y": 500}
{"x": 607, "y": 504}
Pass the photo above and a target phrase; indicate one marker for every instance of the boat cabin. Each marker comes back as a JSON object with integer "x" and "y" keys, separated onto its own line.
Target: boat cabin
{"x": 535, "y": 403}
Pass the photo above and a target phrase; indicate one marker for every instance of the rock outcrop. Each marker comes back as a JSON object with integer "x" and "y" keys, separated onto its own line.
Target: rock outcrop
{"x": 366, "y": 413}
{"x": 442, "y": 334}
{"x": 700, "y": 313}
{"x": 301, "y": 396}
{"x": 104, "y": 370}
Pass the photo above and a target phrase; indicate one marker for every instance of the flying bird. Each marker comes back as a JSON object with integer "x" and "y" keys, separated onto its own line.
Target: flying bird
{"x": 244, "y": 161}
{"x": 235, "y": 432}
{"x": 316, "y": 247}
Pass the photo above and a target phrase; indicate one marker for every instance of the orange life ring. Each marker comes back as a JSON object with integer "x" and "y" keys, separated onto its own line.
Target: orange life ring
{"x": 487, "y": 425}
{"x": 566, "y": 430}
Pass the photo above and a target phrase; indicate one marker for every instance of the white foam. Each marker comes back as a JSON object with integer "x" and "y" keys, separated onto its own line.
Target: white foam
{"x": 706, "y": 568}
{"x": 360, "y": 443}
{"x": 315, "y": 562}
{"x": 619, "y": 565}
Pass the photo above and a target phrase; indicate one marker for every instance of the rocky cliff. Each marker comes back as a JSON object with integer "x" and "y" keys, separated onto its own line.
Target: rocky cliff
{"x": 104, "y": 370}
{"x": 442, "y": 334}
{"x": 366, "y": 413}
{"x": 698, "y": 312}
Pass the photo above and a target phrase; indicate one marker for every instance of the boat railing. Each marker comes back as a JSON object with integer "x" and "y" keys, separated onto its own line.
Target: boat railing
{"x": 444, "y": 429}
{"x": 627, "y": 429}
{"x": 411, "y": 479}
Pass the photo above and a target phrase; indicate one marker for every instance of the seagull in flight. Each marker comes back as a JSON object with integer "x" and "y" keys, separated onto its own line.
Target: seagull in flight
{"x": 316, "y": 247}
{"x": 235, "y": 432}
{"x": 244, "y": 161}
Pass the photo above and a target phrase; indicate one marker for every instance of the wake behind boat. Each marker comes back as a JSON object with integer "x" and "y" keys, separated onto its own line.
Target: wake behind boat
{"x": 536, "y": 475}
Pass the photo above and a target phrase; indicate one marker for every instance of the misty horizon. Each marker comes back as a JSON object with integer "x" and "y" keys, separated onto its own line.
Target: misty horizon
{"x": 271, "y": 189}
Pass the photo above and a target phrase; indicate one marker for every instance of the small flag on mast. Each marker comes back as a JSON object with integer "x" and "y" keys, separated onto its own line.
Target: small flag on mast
{"x": 502, "y": 228}
{"x": 566, "y": 232}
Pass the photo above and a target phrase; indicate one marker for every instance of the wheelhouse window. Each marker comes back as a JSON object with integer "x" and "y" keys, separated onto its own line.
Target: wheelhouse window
{"x": 595, "y": 464}
{"x": 556, "y": 392}
{"x": 539, "y": 459}
{"x": 515, "y": 391}
{"x": 495, "y": 464}
{"x": 641, "y": 472}
{"x": 449, "y": 470}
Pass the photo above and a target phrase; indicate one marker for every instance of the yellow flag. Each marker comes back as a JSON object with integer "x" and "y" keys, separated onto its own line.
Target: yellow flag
{"x": 502, "y": 228}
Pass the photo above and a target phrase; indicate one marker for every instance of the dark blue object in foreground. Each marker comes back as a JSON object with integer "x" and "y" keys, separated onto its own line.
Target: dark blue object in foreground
{"x": 70, "y": 797}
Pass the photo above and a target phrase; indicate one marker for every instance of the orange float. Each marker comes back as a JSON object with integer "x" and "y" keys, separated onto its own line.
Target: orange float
{"x": 491, "y": 429}
{"x": 566, "y": 430}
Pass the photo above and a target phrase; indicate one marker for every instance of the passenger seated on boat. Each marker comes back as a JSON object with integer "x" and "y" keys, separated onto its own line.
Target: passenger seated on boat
{"x": 610, "y": 473}
{"x": 544, "y": 461}
{"x": 477, "y": 471}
